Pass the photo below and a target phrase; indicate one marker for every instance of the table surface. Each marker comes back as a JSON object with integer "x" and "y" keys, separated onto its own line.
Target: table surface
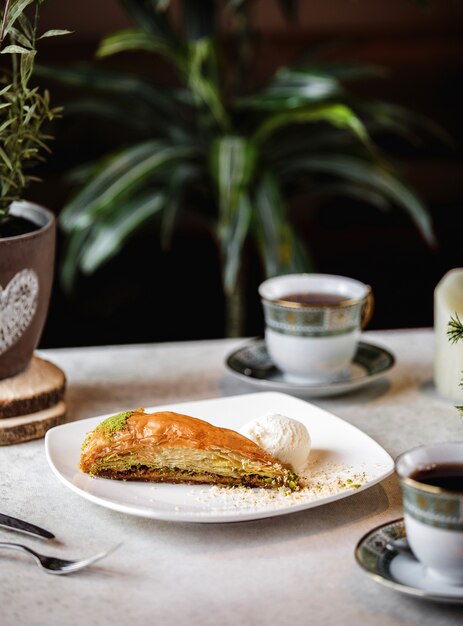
{"x": 294, "y": 569}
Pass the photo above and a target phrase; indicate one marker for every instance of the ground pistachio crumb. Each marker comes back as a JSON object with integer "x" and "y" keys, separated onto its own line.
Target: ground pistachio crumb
{"x": 317, "y": 482}
{"x": 111, "y": 425}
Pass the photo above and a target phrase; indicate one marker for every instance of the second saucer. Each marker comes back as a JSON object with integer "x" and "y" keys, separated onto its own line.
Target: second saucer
{"x": 398, "y": 571}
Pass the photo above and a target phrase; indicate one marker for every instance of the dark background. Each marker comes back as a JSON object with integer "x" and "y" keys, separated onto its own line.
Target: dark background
{"x": 146, "y": 295}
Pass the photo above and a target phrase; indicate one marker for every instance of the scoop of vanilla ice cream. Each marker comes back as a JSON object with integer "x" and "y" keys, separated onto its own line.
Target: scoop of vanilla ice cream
{"x": 283, "y": 437}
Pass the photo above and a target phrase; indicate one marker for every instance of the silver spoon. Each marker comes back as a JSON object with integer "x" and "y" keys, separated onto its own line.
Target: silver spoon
{"x": 53, "y": 565}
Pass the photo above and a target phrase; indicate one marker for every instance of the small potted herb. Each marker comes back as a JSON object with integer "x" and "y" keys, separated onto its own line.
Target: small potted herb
{"x": 27, "y": 231}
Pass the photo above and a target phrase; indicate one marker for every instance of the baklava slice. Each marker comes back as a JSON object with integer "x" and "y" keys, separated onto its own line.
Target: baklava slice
{"x": 175, "y": 448}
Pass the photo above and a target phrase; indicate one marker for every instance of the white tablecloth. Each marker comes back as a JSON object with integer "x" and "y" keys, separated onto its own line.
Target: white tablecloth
{"x": 294, "y": 570}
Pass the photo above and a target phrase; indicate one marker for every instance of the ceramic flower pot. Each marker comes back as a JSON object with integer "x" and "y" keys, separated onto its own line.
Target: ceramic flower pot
{"x": 26, "y": 276}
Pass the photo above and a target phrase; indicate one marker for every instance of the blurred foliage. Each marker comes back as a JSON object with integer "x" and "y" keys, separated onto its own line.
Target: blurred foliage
{"x": 212, "y": 144}
{"x": 24, "y": 109}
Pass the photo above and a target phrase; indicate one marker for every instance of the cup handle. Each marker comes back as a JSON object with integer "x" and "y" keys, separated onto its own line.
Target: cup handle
{"x": 367, "y": 309}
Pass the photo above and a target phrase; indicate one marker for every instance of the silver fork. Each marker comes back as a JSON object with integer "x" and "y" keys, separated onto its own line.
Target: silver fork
{"x": 53, "y": 565}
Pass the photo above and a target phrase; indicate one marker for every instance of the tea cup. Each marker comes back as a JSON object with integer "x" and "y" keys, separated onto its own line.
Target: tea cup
{"x": 313, "y": 323}
{"x": 433, "y": 514}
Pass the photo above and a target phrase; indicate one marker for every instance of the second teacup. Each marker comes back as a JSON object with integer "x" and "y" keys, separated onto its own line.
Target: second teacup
{"x": 431, "y": 478}
{"x": 313, "y": 323}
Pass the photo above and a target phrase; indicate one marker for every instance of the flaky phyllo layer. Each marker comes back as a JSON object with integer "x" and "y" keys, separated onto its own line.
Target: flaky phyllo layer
{"x": 170, "y": 447}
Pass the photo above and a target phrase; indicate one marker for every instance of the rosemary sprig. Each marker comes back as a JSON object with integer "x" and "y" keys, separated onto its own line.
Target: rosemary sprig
{"x": 455, "y": 334}
{"x": 24, "y": 109}
{"x": 455, "y": 329}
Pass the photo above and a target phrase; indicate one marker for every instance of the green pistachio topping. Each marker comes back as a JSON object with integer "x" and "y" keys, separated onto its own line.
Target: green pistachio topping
{"x": 113, "y": 424}
{"x": 293, "y": 481}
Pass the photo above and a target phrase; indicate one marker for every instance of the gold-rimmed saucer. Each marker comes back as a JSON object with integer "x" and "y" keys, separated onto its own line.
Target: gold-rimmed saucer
{"x": 252, "y": 364}
{"x": 399, "y": 569}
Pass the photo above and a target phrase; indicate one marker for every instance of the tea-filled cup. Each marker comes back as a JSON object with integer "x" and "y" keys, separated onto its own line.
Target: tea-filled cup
{"x": 431, "y": 478}
{"x": 313, "y": 323}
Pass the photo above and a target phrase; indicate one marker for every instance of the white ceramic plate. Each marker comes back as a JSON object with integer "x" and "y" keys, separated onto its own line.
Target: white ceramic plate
{"x": 343, "y": 461}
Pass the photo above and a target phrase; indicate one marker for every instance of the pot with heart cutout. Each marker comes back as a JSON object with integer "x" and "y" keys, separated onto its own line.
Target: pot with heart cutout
{"x": 26, "y": 276}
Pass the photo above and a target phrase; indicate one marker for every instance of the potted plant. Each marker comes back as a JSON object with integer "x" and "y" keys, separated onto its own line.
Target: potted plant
{"x": 27, "y": 231}
{"x": 232, "y": 151}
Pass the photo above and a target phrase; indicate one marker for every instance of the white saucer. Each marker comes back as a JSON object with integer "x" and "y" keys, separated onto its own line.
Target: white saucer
{"x": 252, "y": 364}
{"x": 398, "y": 570}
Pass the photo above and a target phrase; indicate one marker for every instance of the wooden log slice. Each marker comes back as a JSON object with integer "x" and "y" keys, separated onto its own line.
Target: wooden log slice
{"x": 32, "y": 426}
{"x": 40, "y": 386}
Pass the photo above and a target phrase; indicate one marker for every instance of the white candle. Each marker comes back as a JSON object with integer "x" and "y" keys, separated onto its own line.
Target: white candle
{"x": 448, "y": 357}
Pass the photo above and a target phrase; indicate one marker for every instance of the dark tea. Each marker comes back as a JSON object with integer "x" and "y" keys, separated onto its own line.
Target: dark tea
{"x": 448, "y": 476}
{"x": 315, "y": 299}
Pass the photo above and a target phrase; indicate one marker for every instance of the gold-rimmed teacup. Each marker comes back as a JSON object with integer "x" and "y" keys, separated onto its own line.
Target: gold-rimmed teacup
{"x": 433, "y": 514}
{"x": 313, "y": 323}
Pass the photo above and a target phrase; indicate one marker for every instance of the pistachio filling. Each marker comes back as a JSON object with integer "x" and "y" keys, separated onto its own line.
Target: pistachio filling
{"x": 172, "y": 474}
{"x": 193, "y": 468}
